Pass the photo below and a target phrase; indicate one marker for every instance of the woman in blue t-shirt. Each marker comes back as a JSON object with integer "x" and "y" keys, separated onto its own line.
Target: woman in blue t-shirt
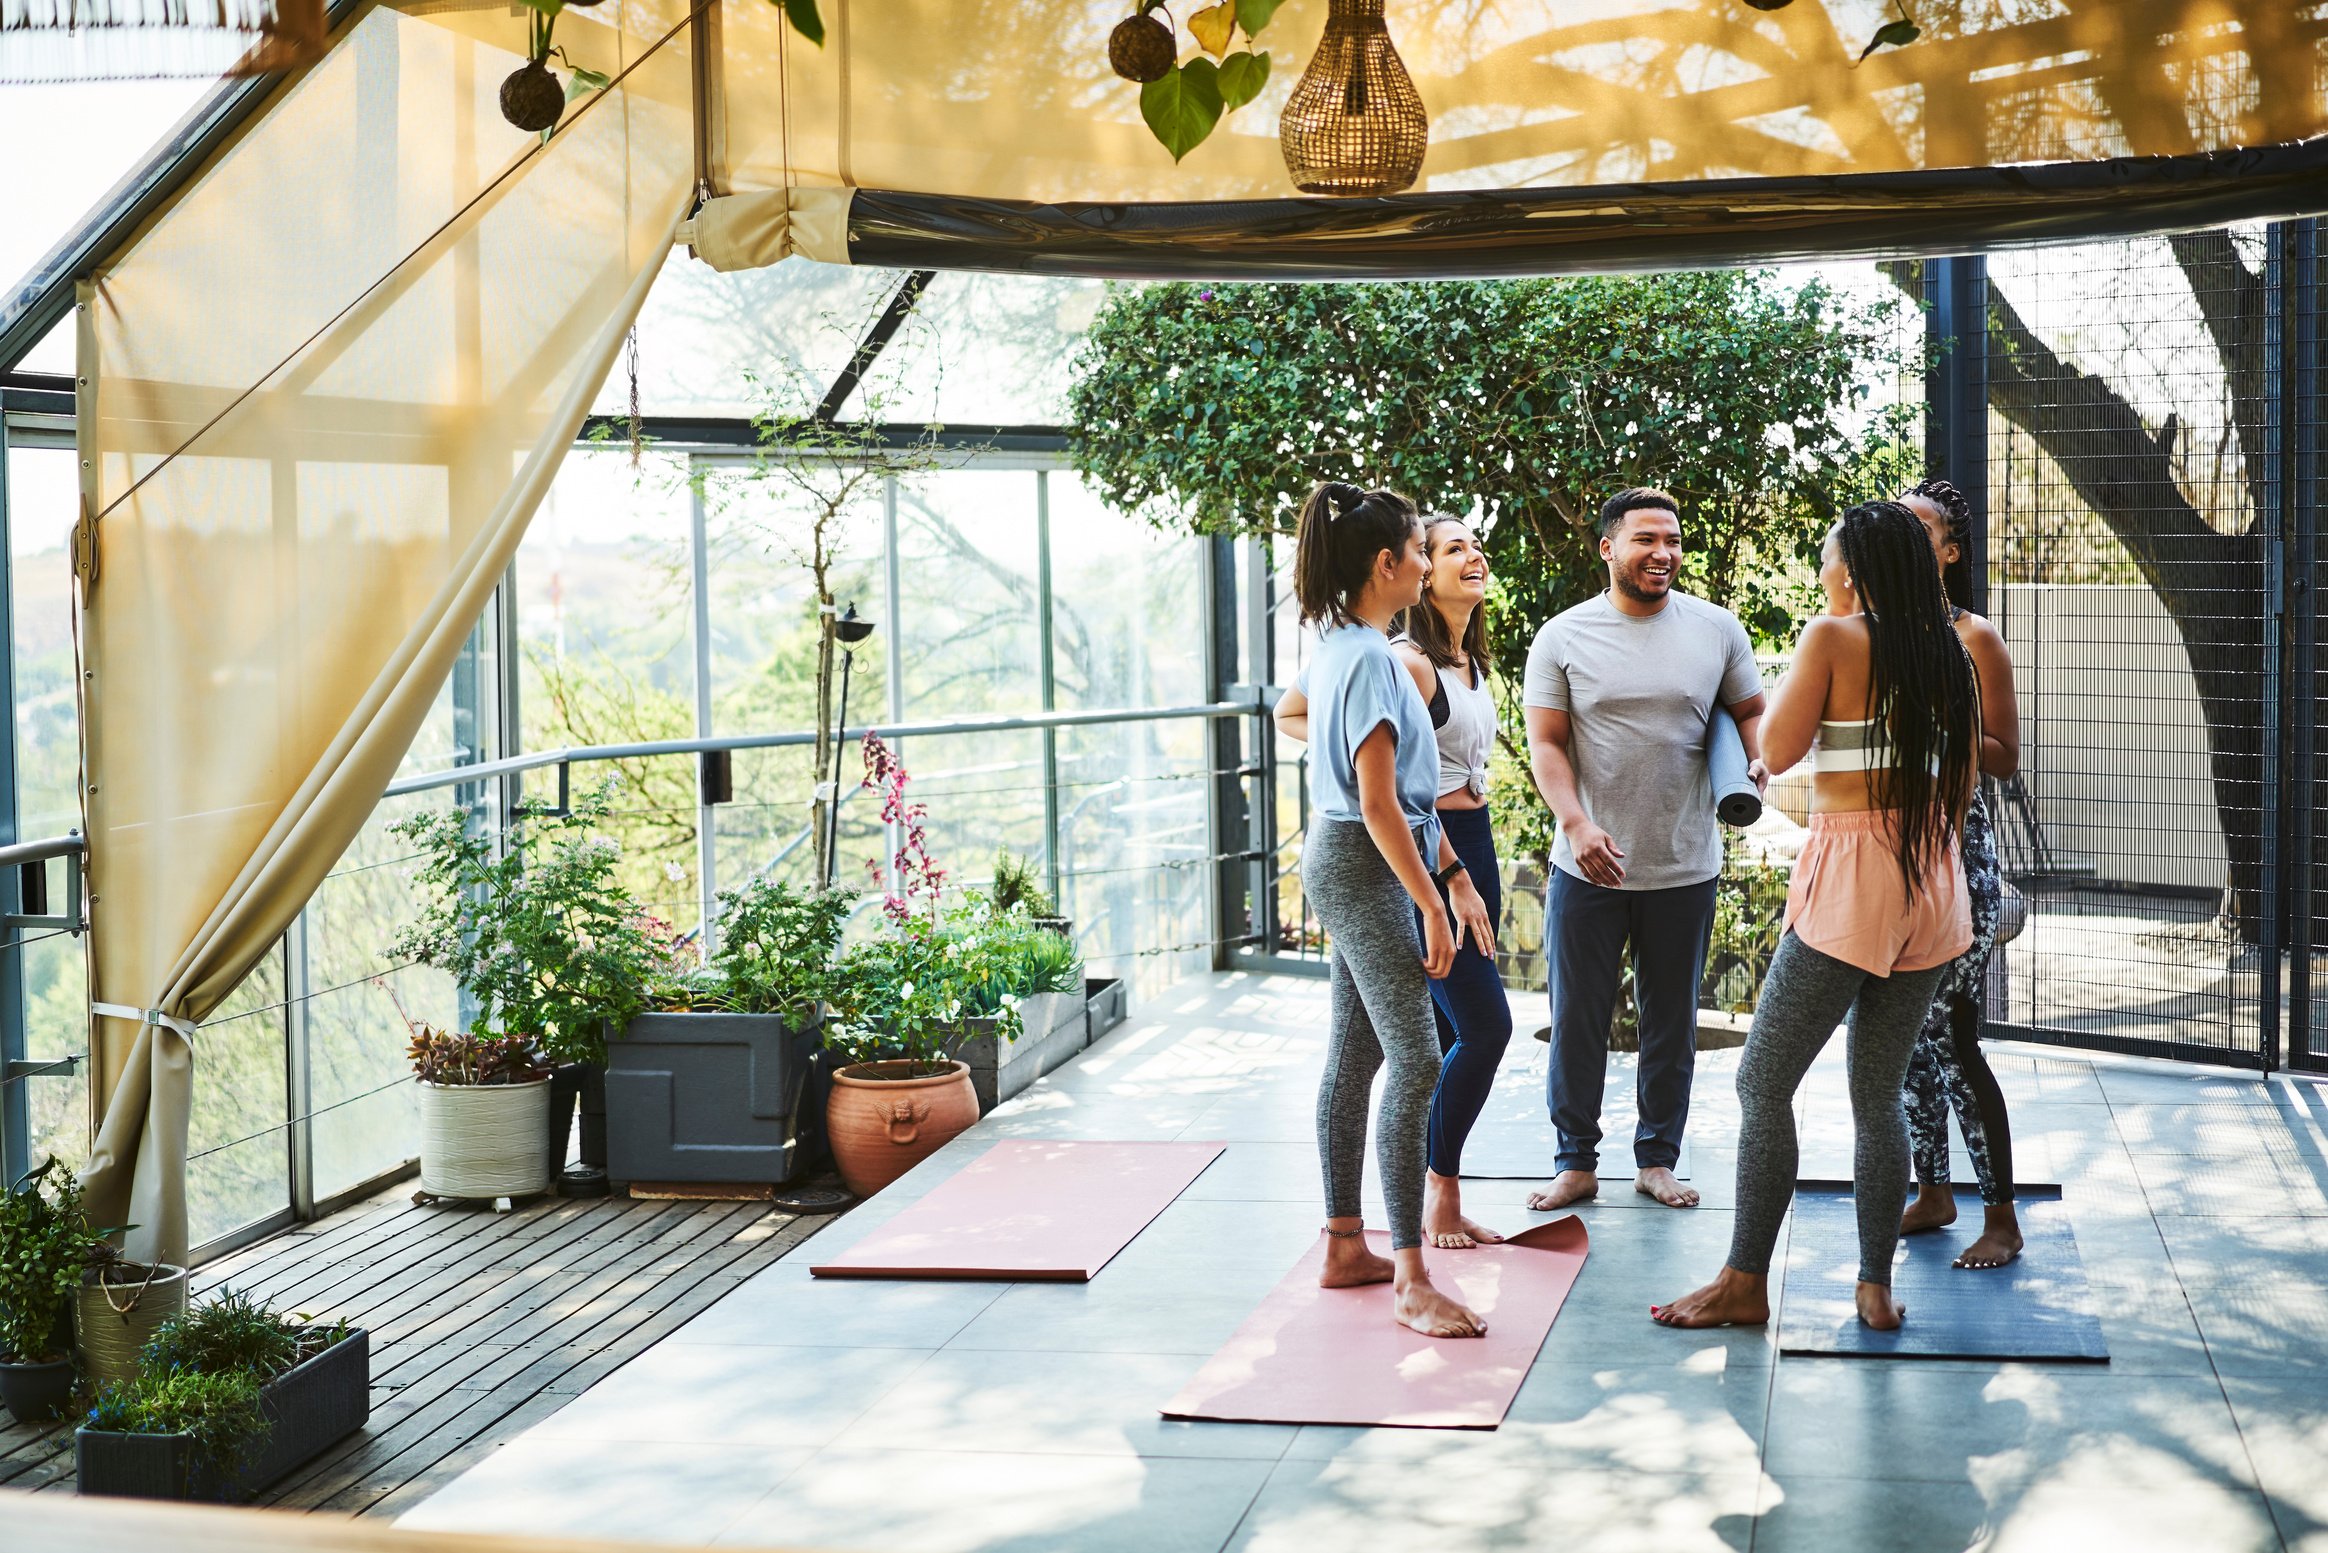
{"x": 1366, "y": 869}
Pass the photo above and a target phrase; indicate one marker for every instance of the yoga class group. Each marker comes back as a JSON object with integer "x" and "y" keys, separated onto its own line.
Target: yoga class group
{"x": 1640, "y": 705}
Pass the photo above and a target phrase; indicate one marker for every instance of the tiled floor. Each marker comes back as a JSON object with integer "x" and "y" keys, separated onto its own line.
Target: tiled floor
{"x": 935, "y": 1418}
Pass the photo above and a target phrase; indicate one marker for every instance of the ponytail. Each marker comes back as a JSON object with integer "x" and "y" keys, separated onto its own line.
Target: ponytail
{"x": 1342, "y": 530}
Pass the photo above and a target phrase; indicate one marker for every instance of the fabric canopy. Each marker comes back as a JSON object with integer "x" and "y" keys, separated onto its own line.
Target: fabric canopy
{"x": 325, "y": 384}
{"x": 321, "y": 396}
{"x": 1624, "y": 133}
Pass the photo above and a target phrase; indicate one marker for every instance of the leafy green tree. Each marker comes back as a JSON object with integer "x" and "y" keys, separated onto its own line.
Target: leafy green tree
{"x": 1522, "y": 404}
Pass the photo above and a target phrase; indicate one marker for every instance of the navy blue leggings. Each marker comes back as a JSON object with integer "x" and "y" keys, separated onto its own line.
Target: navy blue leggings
{"x": 1475, "y": 1020}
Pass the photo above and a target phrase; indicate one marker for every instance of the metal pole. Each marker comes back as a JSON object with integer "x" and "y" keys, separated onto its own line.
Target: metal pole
{"x": 833, "y": 806}
{"x": 1050, "y": 687}
{"x": 1956, "y": 400}
{"x": 706, "y": 813}
{"x": 15, "y": 1113}
{"x": 893, "y": 641}
{"x": 2306, "y": 362}
{"x": 1227, "y": 830}
{"x": 2271, "y": 521}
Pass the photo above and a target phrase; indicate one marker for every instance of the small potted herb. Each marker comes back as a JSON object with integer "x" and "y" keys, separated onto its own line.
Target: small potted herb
{"x": 230, "y": 1396}
{"x": 706, "y": 1083}
{"x": 45, "y": 1245}
{"x": 543, "y": 938}
{"x": 1017, "y": 890}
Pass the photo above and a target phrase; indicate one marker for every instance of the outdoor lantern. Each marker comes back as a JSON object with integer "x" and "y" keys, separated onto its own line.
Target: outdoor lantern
{"x": 852, "y": 627}
{"x": 1354, "y": 124}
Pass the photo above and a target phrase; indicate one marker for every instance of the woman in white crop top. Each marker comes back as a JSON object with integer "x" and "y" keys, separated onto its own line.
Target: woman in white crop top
{"x": 1443, "y": 643}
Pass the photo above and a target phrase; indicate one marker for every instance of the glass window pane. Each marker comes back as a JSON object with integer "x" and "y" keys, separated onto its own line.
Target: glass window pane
{"x": 237, "y": 1167}
{"x": 967, "y": 593}
{"x": 43, "y": 499}
{"x": 704, "y": 337}
{"x": 1127, "y": 606}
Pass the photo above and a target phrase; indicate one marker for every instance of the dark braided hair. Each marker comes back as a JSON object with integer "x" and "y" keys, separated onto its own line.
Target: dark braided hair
{"x": 1922, "y": 697}
{"x": 1956, "y": 507}
{"x": 1342, "y": 530}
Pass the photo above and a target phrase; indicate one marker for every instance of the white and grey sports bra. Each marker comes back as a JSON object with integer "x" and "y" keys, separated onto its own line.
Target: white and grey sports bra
{"x": 1850, "y": 747}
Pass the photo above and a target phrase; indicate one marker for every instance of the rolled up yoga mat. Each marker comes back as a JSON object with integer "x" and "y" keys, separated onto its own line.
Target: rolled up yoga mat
{"x": 1736, "y": 799}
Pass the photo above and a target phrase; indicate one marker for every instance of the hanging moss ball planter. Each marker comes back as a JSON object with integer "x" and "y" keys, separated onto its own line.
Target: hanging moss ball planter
{"x": 532, "y": 97}
{"x": 1141, "y": 49}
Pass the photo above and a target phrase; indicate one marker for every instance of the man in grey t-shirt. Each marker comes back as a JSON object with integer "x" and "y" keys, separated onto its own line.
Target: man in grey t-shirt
{"x": 1618, "y": 695}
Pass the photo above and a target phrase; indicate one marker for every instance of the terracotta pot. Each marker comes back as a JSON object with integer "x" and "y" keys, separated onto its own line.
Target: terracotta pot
{"x": 883, "y": 1126}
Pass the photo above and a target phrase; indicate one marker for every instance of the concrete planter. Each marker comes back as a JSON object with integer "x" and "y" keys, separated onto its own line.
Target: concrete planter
{"x": 1108, "y": 1002}
{"x": 1057, "y": 1027}
{"x": 708, "y": 1097}
{"x": 311, "y": 1407}
{"x": 484, "y": 1140}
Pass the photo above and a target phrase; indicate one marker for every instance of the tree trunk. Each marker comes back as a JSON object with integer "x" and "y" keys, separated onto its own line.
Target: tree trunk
{"x": 824, "y": 808}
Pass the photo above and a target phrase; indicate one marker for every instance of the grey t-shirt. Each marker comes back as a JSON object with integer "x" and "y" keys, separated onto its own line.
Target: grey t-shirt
{"x": 1638, "y": 693}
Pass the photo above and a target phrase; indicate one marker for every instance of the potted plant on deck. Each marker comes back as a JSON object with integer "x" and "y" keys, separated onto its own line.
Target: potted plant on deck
{"x": 543, "y": 938}
{"x": 706, "y": 1083}
{"x": 229, "y": 1397}
{"x": 45, "y": 1244}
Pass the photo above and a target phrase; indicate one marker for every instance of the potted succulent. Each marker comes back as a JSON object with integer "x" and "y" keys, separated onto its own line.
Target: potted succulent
{"x": 229, "y": 1397}
{"x": 45, "y": 1245}
{"x": 1016, "y": 889}
{"x": 484, "y": 1110}
{"x": 550, "y": 948}
{"x": 706, "y": 1083}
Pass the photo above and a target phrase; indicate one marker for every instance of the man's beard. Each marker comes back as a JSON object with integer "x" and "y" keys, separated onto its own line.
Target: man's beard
{"x": 1624, "y": 583}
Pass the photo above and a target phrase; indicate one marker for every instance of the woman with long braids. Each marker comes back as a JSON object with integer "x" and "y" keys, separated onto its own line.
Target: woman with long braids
{"x": 1443, "y": 643}
{"x": 1877, "y": 906}
{"x": 1367, "y": 869}
{"x": 1948, "y": 1066}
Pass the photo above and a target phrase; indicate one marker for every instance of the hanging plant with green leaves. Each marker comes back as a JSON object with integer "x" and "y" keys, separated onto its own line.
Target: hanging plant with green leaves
{"x": 1182, "y": 100}
{"x": 533, "y": 98}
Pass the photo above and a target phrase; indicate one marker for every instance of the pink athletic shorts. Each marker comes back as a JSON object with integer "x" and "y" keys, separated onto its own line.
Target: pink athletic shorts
{"x": 1845, "y": 899}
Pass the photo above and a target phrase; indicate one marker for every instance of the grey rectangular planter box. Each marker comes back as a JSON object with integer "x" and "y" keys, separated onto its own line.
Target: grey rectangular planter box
{"x": 707, "y": 1097}
{"x": 1108, "y": 1002}
{"x": 1057, "y": 1027}
{"x": 313, "y": 1406}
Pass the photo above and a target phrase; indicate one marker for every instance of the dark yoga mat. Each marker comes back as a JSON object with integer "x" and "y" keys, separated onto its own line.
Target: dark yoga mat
{"x": 2034, "y": 1308}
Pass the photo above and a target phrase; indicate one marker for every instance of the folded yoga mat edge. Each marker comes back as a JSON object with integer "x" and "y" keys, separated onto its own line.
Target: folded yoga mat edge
{"x": 1147, "y": 1198}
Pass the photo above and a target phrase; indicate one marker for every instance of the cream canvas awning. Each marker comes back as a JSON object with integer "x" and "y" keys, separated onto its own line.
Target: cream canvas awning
{"x": 336, "y": 337}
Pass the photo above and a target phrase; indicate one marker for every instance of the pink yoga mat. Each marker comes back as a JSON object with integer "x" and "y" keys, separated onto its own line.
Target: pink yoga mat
{"x": 1335, "y": 1356}
{"x": 1029, "y": 1210}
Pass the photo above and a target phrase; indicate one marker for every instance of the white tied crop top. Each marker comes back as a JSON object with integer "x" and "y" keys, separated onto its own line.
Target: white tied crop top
{"x": 1467, "y": 737}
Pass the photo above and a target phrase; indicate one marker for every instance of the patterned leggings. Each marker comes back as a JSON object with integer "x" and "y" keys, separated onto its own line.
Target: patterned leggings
{"x": 1947, "y": 1065}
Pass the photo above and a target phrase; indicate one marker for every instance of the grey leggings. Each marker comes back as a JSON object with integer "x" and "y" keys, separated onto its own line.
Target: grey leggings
{"x": 1803, "y": 998}
{"x": 1381, "y": 1009}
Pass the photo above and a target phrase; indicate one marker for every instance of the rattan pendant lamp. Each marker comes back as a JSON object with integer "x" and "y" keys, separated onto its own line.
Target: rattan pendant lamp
{"x": 144, "y": 40}
{"x": 1355, "y": 124}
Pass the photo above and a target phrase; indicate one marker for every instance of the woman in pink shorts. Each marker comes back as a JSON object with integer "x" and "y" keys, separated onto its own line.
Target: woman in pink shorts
{"x": 1877, "y": 906}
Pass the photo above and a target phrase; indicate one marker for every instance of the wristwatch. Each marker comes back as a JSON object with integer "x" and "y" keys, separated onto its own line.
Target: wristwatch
{"x": 1450, "y": 871}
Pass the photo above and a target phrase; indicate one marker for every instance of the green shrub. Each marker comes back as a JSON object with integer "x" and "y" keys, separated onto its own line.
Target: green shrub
{"x": 1016, "y": 888}
{"x": 220, "y": 1411}
{"x": 908, "y": 993}
{"x": 775, "y": 948}
{"x": 235, "y": 1333}
{"x": 45, "y": 1242}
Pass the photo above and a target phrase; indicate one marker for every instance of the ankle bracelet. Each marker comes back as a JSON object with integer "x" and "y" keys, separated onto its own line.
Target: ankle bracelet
{"x": 1347, "y": 1234}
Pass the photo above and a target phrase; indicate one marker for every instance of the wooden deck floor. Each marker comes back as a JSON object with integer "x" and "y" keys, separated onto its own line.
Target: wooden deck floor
{"x": 482, "y": 1324}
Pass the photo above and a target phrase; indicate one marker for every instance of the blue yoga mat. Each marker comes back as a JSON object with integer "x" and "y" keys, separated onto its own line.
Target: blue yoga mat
{"x": 1736, "y": 799}
{"x": 2035, "y": 1308}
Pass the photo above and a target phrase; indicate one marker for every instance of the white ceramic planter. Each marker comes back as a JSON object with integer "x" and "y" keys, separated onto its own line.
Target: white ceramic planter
{"x": 484, "y": 1140}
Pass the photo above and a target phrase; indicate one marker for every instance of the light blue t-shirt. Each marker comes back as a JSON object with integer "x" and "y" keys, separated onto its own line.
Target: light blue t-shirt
{"x": 1355, "y": 684}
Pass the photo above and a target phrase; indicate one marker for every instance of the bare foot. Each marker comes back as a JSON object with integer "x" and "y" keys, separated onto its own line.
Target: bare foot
{"x": 1431, "y": 1313}
{"x": 1350, "y": 1261}
{"x": 1934, "y": 1208}
{"x": 1660, "y": 1183}
{"x": 2000, "y": 1239}
{"x": 1567, "y": 1189}
{"x": 1733, "y": 1299}
{"x": 1878, "y": 1309}
{"x": 1443, "y": 1222}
